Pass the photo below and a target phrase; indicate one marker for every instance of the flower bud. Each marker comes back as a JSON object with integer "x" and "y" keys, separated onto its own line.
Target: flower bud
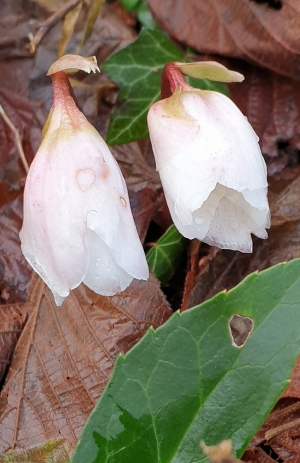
{"x": 211, "y": 167}
{"x": 78, "y": 226}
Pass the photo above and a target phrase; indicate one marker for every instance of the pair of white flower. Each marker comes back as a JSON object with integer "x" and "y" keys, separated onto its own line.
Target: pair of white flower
{"x": 78, "y": 226}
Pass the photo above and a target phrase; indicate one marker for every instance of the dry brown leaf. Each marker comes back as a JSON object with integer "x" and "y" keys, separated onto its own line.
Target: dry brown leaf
{"x": 144, "y": 204}
{"x": 272, "y": 104}
{"x": 25, "y": 117}
{"x": 243, "y": 29}
{"x": 136, "y": 171}
{"x": 279, "y": 435}
{"x": 54, "y": 451}
{"x": 294, "y": 388}
{"x": 257, "y": 455}
{"x": 287, "y": 205}
{"x": 12, "y": 318}
{"x": 15, "y": 272}
{"x": 14, "y": 32}
{"x": 65, "y": 356}
{"x": 227, "y": 268}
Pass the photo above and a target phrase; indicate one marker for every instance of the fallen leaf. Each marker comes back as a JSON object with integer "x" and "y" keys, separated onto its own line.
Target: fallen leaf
{"x": 12, "y": 318}
{"x": 15, "y": 272}
{"x": 15, "y": 30}
{"x": 294, "y": 388}
{"x": 65, "y": 356}
{"x": 245, "y": 29}
{"x": 225, "y": 269}
{"x": 24, "y": 115}
{"x": 287, "y": 205}
{"x": 228, "y": 268}
{"x": 144, "y": 204}
{"x": 51, "y": 452}
{"x": 272, "y": 105}
{"x": 137, "y": 172}
{"x": 278, "y": 436}
{"x": 143, "y": 183}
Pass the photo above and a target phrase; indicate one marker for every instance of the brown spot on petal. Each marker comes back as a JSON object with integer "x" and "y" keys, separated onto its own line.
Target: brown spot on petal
{"x": 123, "y": 201}
{"x": 105, "y": 171}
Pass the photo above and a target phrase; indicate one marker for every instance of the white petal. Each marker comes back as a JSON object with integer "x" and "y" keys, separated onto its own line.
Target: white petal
{"x": 231, "y": 220}
{"x": 211, "y": 168}
{"x": 104, "y": 276}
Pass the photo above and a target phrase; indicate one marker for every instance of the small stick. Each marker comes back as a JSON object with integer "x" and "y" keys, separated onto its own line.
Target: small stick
{"x": 284, "y": 411}
{"x": 280, "y": 429}
{"x": 50, "y": 22}
{"x": 17, "y": 137}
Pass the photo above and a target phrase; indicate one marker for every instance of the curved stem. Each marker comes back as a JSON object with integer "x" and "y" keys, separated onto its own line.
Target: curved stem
{"x": 171, "y": 78}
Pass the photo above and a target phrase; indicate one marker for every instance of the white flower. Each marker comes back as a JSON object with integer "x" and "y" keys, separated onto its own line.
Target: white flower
{"x": 211, "y": 167}
{"x": 78, "y": 226}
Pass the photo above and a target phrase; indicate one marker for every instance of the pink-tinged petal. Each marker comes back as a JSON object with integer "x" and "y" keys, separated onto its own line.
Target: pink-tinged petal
{"x": 211, "y": 167}
{"x": 78, "y": 223}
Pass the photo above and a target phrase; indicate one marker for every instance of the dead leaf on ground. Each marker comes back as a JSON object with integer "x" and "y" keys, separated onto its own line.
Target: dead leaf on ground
{"x": 227, "y": 268}
{"x": 294, "y": 388}
{"x": 54, "y": 451}
{"x": 243, "y": 29}
{"x": 12, "y": 318}
{"x": 279, "y": 435}
{"x": 272, "y": 105}
{"x": 25, "y": 116}
{"x": 65, "y": 356}
{"x": 144, "y": 204}
{"x": 15, "y": 272}
{"x": 15, "y": 30}
{"x": 136, "y": 171}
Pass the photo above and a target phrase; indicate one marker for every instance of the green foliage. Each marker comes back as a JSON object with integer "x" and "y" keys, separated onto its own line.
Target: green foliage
{"x": 137, "y": 70}
{"x": 205, "y": 84}
{"x": 141, "y": 9}
{"x": 166, "y": 255}
{"x": 187, "y": 382}
{"x": 145, "y": 16}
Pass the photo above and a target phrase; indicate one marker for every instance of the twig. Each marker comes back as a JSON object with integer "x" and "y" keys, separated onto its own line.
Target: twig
{"x": 280, "y": 429}
{"x": 50, "y": 22}
{"x": 17, "y": 137}
{"x": 284, "y": 411}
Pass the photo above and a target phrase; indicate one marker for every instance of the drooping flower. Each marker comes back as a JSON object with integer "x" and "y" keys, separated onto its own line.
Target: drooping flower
{"x": 78, "y": 226}
{"x": 210, "y": 164}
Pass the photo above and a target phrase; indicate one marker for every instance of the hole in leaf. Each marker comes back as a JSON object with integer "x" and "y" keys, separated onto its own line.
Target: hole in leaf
{"x": 240, "y": 329}
{"x": 274, "y": 4}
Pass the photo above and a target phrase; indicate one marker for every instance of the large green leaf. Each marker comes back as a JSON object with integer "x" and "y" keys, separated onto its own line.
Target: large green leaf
{"x": 137, "y": 70}
{"x": 166, "y": 255}
{"x": 187, "y": 382}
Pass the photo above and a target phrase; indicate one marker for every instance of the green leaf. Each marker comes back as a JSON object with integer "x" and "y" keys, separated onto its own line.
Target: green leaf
{"x": 129, "y": 5}
{"x": 137, "y": 70}
{"x": 141, "y": 9}
{"x": 187, "y": 382}
{"x": 205, "y": 84}
{"x": 166, "y": 255}
{"x": 145, "y": 16}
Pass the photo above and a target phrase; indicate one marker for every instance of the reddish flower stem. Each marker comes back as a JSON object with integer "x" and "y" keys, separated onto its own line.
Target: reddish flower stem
{"x": 171, "y": 78}
{"x": 62, "y": 90}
